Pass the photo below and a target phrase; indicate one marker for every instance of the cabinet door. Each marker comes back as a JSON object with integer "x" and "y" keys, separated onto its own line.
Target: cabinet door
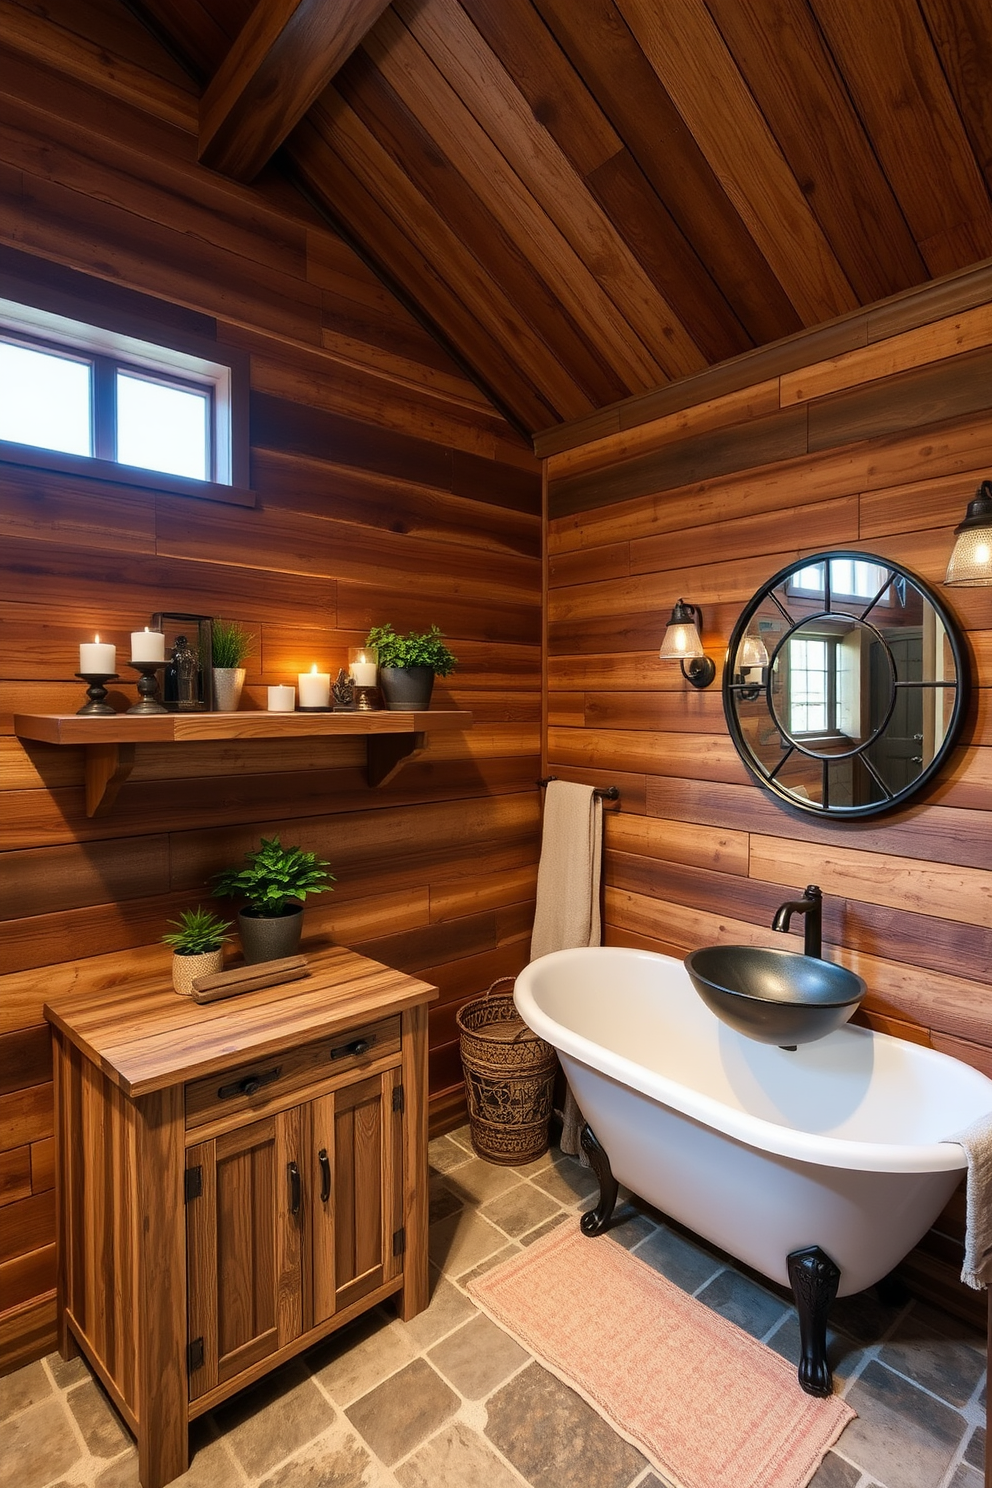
{"x": 245, "y": 1246}
{"x": 357, "y": 1191}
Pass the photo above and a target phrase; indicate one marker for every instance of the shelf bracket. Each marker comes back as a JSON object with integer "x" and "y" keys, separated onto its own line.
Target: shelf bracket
{"x": 107, "y": 768}
{"x": 388, "y": 753}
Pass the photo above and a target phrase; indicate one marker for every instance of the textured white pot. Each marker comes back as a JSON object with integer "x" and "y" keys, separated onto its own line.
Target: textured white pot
{"x": 185, "y": 969}
{"x": 228, "y": 682}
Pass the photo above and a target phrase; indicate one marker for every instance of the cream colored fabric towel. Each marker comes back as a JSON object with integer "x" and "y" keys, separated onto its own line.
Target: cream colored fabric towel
{"x": 567, "y": 912}
{"x": 977, "y": 1143}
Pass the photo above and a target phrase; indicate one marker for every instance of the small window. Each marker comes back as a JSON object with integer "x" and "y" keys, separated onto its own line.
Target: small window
{"x": 101, "y": 402}
{"x": 46, "y": 399}
{"x": 163, "y": 426}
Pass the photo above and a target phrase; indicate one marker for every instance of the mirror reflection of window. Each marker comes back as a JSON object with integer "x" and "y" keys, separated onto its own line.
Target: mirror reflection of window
{"x": 850, "y": 578}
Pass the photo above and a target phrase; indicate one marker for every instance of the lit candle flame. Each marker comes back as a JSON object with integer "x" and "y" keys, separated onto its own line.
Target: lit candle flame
{"x": 96, "y": 640}
{"x": 313, "y": 670}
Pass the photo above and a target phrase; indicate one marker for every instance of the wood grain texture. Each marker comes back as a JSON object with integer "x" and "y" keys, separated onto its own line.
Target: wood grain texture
{"x": 282, "y": 59}
{"x": 370, "y": 442}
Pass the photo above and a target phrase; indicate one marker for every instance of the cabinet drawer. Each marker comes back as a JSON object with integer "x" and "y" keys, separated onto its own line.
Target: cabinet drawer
{"x": 255, "y": 1086}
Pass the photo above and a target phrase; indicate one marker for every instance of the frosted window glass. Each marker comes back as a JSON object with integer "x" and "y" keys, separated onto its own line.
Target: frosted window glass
{"x": 160, "y": 427}
{"x": 45, "y": 400}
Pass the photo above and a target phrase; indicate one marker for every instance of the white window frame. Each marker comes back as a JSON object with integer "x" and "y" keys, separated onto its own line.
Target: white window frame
{"x": 187, "y": 361}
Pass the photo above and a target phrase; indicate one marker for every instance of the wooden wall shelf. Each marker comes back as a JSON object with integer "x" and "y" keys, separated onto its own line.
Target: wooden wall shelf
{"x": 392, "y": 739}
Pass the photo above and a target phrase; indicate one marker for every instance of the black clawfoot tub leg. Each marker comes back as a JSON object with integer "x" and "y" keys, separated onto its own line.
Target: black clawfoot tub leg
{"x": 595, "y": 1221}
{"x": 815, "y": 1280}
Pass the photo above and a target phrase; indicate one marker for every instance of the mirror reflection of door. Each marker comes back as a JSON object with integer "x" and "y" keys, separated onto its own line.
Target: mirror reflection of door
{"x": 898, "y": 755}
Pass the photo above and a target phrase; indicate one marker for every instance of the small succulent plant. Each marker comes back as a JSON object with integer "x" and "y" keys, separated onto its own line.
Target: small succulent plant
{"x": 197, "y": 931}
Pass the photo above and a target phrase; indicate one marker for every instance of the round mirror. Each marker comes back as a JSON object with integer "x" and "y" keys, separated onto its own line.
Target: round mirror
{"x": 845, "y": 684}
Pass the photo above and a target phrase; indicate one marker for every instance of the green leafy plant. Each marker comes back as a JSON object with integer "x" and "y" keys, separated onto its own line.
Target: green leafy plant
{"x": 231, "y": 643}
{"x": 423, "y": 649}
{"x": 197, "y": 931}
{"x": 276, "y": 878}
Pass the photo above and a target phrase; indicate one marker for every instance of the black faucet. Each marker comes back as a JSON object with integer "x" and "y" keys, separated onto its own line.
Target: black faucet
{"x": 810, "y": 905}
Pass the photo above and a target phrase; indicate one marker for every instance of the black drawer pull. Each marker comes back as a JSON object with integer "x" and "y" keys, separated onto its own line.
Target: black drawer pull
{"x": 295, "y": 1188}
{"x": 357, "y": 1046}
{"x": 325, "y": 1175}
{"x": 250, "y": 1084}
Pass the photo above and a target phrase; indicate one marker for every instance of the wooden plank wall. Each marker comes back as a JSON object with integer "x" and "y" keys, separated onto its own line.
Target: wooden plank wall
{"x": 388, "y": 489}
{"x": 877, "y": 448}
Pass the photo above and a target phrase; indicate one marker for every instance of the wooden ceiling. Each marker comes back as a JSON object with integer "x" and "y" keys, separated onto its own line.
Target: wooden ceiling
{"x": 587, "y": 199}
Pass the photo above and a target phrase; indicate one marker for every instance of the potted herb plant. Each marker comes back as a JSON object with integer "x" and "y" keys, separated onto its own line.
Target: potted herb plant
{"x": 197, "y": 946}
{"x": 408, "y": 665}
{"x": 274, "y": 884}
{"x": 231, "y": 644}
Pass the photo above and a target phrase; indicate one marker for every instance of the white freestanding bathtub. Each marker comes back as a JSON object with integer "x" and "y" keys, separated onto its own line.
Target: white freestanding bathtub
{"x": 840, "y": 1144}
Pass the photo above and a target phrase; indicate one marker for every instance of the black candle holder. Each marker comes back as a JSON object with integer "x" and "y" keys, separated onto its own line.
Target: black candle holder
{"x": 368, "y": 700}
{"x": 97, "y": 707}
{"x": 148, "y": 687}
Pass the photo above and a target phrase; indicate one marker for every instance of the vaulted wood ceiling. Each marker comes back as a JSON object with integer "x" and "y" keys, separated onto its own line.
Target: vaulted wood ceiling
{"x": 591, "y": 198}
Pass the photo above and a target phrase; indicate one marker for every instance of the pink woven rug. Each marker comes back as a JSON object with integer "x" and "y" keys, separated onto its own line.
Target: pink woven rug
{"x": 708, "y": 1405}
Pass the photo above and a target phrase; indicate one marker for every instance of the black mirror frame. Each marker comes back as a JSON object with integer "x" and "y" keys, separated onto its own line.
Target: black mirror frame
{"x": 962, "y": 692}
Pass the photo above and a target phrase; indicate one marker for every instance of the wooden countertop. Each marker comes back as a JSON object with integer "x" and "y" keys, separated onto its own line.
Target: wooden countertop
{"x": 144, "y": 1037}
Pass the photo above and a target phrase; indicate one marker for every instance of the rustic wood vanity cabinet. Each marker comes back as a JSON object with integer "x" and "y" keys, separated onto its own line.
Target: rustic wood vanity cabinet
{"x": 235, "y": 1180}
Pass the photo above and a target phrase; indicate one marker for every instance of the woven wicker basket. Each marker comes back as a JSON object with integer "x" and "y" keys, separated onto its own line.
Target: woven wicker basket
{"x": 509, "y": 1075}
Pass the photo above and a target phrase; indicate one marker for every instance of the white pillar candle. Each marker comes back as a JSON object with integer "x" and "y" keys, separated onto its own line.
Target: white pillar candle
{"x": 282, "y": 699}
{"x": 97, "y": 658}
{"x": 315, "y": 688}
{"x": 147, "y": 645}
{"x": 364, "y": 673}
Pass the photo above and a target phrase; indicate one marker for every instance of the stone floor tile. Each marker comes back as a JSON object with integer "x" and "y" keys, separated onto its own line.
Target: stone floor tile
{"x": 337, "y": 1459}
{"x": 462, "y": 1241}
{"x": 478, "y": 1357}
{"x": 567, "y": 1181}
{"x": 496, "y": 1259}
{"x": 545, "y": 1229}
{"x": 864, "y": 1317}
{"x": 38, "y": 1445}
{"x": 630, "y": 1227}
{"x": 444, "y": 1154}
{"x": 554, "y": 1439}
{"x": 441, "y": 1200}
{"x": 456, "y": 1458}
{"x": 24, "y": 1387}
{"x": 974, "y": 1452}
{"x": 843, "y": 1354}
{"x": 652, "y": 1481}
{"x": 902, "y": 1436}
{"x": 477, "y": 1181}
{"x": 66, "y": 1372}
{"x": 274, "y": 1418}
{"x": 351, "y": 1363}
{"x": 403, "y": 1411}
{"x": 211, "y": 1465}
{"x": 462, "y": 1136}
{"x": 688, "y": 1265}
{"x": 743, "y": 1302}
{"x": 528, "y": 1170}
{"x": 948, "y": 1361}
{"x": 103, "y": 1430}
{"x": 967, "y": 1477}
{"x": 521, "y": 1208}
{"x": 447, "y": 1310}
{"x": 834, "y": 1472}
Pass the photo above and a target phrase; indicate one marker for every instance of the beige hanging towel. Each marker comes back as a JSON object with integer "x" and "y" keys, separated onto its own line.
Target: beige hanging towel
{"x": 567, "y": 912}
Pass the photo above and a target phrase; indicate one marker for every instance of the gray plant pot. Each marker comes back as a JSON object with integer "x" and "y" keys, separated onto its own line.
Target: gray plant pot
{"x": 269, "y": 937}
{"x": 407, "y": 689}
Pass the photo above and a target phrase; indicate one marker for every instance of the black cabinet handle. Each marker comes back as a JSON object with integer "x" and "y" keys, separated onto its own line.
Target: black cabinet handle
{"x": 250, "y": 1084}
{"x": 295, "y": 1188}
{"x": 357, "y": 1046}
{"x": 325, "y": 1175}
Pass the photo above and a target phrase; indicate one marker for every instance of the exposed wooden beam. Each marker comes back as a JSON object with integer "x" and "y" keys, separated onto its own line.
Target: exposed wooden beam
{"x": 284, "y": 57}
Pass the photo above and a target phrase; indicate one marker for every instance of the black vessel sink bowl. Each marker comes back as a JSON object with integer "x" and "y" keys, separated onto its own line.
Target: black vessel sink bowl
{"x": 776, "y": 997}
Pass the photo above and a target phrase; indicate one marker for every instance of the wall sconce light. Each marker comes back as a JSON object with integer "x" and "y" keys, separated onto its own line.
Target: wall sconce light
{"x": 752, "y": 660}
{"x": 682, "y": 644}
{"x": 971, "y": 559}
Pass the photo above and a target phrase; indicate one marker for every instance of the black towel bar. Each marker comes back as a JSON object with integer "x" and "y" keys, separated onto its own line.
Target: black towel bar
{"x": 604, "y": 792}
